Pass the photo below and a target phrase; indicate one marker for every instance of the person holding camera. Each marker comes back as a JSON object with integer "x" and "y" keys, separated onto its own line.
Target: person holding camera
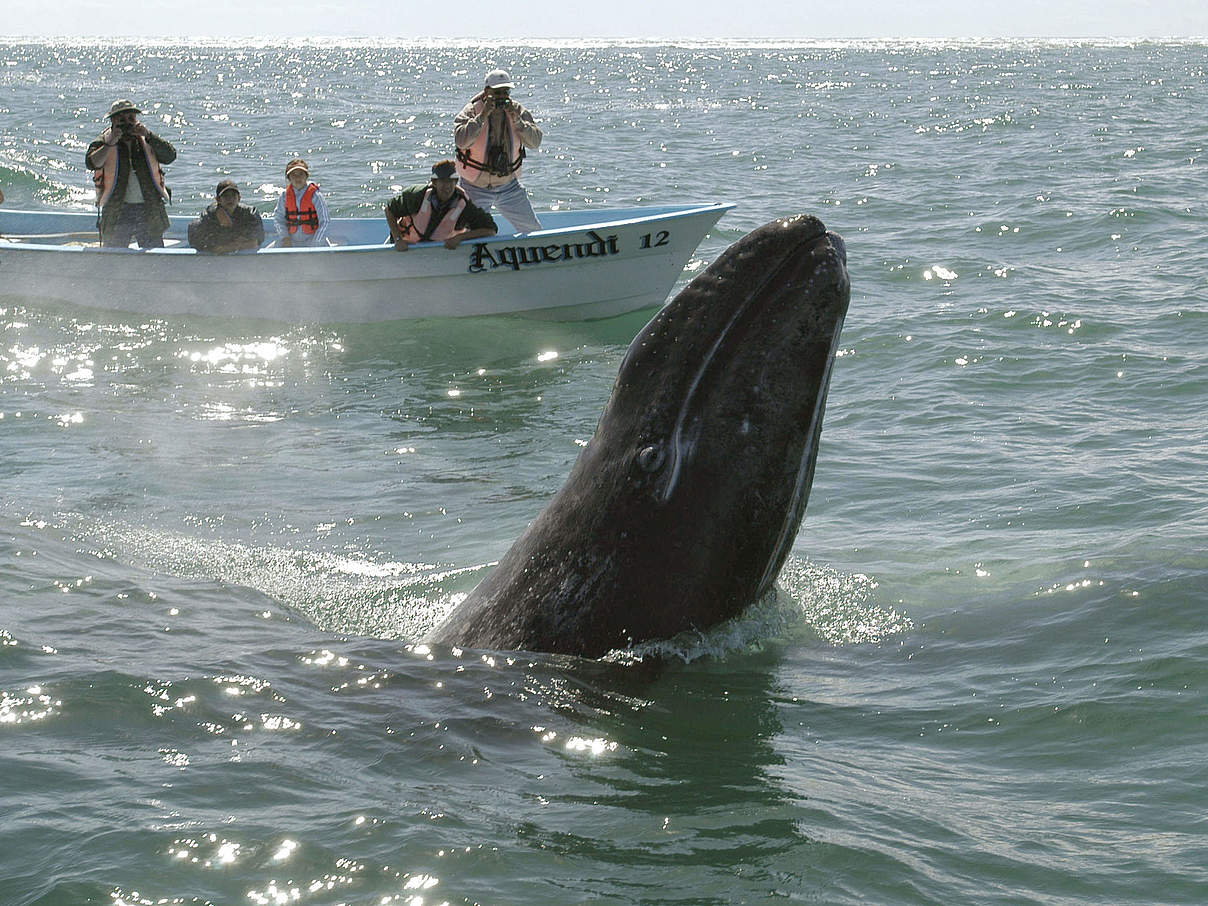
{"x": 131, "y": 208}
{"x": 491, "y": 134}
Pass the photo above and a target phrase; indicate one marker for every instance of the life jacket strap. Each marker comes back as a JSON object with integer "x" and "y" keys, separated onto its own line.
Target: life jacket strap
{"x": 463, "y": 155}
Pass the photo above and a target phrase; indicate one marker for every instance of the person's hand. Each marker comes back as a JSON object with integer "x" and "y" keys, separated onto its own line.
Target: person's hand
{"x": 488, "y": 103}
{"x": 110, "y": 136}
{"x": 401, "y": 245}
{"x": 140, "y": 130}
{"x": 453, "y": 242}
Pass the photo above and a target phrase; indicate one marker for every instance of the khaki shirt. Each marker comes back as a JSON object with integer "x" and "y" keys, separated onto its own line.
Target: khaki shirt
{"x": 467, "y": 127}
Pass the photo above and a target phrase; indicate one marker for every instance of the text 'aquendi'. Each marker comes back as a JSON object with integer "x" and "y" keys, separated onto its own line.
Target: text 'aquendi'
{"x": 484, "y": 257}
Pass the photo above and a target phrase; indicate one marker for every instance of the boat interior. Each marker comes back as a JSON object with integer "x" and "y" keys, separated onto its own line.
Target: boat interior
{"x": 78, "y": 229}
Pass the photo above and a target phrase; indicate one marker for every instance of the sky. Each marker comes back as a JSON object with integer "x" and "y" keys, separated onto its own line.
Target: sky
{"x": 602, "y": 19}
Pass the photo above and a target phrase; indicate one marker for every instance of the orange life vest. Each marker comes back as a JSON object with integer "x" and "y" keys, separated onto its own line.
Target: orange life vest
{"x": 418, "y": 227}
{"x": 104, "y": 179}
{"x": 474, "y": 161}
{"x": 301, "y": 212}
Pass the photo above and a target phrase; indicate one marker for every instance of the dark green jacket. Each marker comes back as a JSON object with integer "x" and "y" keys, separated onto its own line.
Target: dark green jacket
{"x": 408, "y": 203}
{"x": 132, "y": 153}
{"x": 206, "y": 231}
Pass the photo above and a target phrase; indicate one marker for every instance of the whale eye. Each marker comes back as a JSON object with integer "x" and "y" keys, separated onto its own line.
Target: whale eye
{"x": 650, "y": 458}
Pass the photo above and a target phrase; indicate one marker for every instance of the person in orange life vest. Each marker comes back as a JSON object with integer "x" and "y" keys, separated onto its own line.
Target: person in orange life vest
{"x": 130, "y": 208}
{"x": 227, "y": 225}
{"x": 438, "y": 211}
{"x": 491, "y": 133}
{"x": 301, "y": 216}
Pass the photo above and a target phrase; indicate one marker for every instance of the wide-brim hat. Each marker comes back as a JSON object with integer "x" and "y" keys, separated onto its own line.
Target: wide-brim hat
{"x": 121, "y": 107}
{"x": 498, "y": 78}
{"x": 225, "y": 186}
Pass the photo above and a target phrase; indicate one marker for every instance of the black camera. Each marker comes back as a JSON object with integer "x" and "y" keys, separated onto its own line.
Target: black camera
{"x": 503, "y": 103}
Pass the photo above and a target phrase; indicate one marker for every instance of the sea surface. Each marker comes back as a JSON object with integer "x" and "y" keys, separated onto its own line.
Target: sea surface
{"x": 983, "y": 678}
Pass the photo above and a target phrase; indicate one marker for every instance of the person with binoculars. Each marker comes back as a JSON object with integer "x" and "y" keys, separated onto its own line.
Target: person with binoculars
{"x": 130, "y": 208}
{"x": 491, "y": 133}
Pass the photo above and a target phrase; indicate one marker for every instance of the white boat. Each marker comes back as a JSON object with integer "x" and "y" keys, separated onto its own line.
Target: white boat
{"x": 583, "y": 264}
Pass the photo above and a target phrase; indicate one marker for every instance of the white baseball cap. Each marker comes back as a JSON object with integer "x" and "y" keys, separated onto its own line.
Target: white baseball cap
{"x": 498, "y": 78}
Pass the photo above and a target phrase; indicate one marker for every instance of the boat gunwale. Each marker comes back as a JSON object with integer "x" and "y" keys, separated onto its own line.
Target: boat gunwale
{"x": 666, "y": 212}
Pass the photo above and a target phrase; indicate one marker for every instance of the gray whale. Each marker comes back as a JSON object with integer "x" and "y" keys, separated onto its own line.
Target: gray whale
{"x": 682, "y": 508}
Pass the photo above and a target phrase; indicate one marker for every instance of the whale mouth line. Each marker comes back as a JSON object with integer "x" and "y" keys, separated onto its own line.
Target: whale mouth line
{"x": 787, "y": 533}
{"x": 679, "y": 446}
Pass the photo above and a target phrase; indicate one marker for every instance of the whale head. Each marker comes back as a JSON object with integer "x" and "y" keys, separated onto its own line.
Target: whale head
{"x": 683, "y": 506}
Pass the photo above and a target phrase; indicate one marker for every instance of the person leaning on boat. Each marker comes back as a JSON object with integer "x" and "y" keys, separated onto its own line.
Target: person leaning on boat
{"x": 130, "y": 208}
{"x": 491, "y": 133}
{"x": 438, "y": 211}
{"x": 227, "y": 225}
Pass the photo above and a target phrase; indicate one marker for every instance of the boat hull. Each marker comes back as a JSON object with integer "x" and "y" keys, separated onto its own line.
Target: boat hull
{"x": 583, "y": 265}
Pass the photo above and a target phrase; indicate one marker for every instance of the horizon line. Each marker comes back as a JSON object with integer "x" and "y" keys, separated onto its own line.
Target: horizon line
{"x": 619, "y": 39}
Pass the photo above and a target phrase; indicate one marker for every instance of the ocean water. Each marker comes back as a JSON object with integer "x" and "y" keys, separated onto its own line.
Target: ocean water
{"x": 982, "y": 678}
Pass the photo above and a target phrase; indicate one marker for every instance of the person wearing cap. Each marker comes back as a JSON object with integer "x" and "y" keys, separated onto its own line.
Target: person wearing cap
{"x": 491, "y": 133}
{"x": 130, "y": 208}
{"x": 227, "y": 225}
{"x": 439, "y": 211}
{"x": 301, "y": 216}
